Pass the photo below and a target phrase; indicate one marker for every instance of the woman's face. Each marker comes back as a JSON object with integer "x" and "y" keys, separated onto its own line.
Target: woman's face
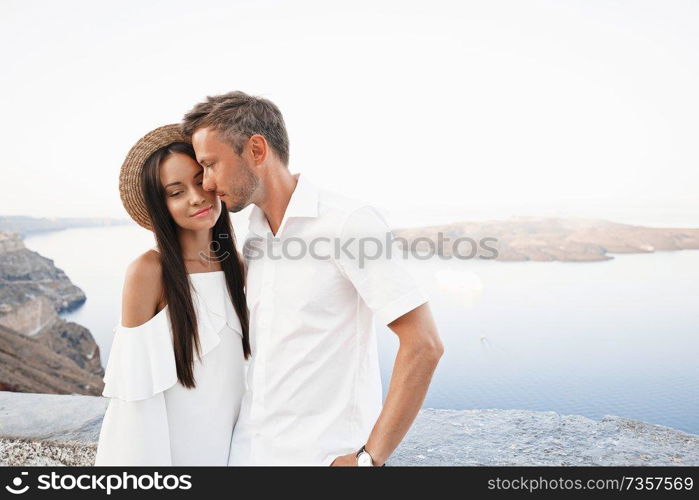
{"x": 190, "y": 206}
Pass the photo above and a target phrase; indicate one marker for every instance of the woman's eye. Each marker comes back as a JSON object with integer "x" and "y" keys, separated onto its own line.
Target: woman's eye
{"x": 175, "y": 193}
{"x": 200, "y": 183}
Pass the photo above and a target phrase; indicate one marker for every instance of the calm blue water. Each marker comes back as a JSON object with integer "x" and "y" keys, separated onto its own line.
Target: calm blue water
{"x": 607, "y": 338}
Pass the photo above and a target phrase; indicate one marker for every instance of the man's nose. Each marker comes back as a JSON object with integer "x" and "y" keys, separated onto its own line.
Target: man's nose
{"x": 208, "y": 183}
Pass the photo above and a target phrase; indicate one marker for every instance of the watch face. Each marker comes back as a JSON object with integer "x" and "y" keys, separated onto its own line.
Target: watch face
{"x": 364, "y": 460}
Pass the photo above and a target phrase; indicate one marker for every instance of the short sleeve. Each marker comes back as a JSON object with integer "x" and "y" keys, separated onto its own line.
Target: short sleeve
{"x": 376, "y": 267}
{"x": 135, "y": 433}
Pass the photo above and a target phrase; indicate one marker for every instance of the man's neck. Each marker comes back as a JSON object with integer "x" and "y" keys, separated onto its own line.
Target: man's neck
{"x": 279, "y": 186}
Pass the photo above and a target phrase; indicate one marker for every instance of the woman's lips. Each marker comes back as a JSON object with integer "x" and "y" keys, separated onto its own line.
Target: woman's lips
{"x": 202, "y": 213}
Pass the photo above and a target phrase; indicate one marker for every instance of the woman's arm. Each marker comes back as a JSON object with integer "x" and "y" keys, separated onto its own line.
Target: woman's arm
{"x": 135, "y": 429}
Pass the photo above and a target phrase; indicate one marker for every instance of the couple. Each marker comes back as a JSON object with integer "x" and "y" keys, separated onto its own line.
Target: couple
{"x": 264, "y": 358}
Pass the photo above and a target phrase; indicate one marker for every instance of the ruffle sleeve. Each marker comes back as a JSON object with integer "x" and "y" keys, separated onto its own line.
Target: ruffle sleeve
{"x": 142, "y": 359}
{"x": 141, "y": 367}
{"x": 135, "y": 433}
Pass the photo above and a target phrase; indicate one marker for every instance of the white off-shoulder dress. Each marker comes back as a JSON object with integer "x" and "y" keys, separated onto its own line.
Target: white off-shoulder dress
{"x": 152, "y": 419}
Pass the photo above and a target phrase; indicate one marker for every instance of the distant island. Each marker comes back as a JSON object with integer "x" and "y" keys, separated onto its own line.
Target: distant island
{"x": 25, "y": 225}
{"x": 548, "y": 239}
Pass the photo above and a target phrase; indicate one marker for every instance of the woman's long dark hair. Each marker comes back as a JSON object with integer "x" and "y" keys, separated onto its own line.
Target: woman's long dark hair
{"x": 176, "y": 283}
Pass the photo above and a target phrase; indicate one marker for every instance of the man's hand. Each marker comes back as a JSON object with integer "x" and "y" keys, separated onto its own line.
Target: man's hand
{"x": 345, "y": 461}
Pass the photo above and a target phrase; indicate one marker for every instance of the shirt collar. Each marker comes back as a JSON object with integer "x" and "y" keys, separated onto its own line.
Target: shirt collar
{"x": 303, "y": 203}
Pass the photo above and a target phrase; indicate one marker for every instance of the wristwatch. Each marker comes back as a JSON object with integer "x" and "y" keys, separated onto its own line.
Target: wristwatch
{"x": 364, "y": 459}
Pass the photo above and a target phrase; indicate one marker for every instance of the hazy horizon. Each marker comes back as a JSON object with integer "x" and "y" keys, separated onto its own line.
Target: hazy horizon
{"x": 430, "y": 216}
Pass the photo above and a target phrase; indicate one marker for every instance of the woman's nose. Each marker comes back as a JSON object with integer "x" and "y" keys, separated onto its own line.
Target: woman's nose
{"x": 197, "y": 198}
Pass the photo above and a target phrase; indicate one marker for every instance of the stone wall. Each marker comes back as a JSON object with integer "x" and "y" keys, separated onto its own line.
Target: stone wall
{"x": 46, "y": 429}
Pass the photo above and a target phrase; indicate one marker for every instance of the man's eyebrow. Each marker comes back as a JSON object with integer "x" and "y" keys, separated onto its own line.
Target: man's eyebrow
{"x": 201, "y": 172}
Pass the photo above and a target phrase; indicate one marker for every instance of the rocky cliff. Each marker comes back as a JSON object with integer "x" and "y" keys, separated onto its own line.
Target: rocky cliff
{"x": 40, "y": 352}
{"x": 26, "y": 275}
{"x": 29, "y": 365}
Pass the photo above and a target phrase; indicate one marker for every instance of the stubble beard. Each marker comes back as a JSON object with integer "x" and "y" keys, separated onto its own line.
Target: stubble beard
{"x": 243, "y": 191}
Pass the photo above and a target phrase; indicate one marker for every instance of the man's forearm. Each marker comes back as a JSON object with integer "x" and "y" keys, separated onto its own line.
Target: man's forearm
{"x": 412, "y": 373}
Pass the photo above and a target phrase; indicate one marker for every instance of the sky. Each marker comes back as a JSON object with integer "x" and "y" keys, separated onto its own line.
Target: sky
{"x": 425, "y": 108}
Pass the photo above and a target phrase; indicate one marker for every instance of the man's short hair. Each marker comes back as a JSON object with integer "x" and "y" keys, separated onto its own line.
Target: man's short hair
{"x": 236, "y": 116}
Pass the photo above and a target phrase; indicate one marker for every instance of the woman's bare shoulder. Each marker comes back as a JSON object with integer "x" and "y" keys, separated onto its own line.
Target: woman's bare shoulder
{"x": 148, "y": 262}
{"x": 143, "y": 289}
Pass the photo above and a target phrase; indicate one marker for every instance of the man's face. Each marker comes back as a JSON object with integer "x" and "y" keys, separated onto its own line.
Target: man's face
{"x": 230, "y": 175}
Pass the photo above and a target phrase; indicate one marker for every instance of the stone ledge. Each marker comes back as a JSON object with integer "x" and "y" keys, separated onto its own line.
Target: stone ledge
{"x": 47, "y": 429}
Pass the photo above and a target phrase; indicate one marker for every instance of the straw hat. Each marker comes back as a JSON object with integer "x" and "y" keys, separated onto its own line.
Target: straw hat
{"x": 130, "y": 187}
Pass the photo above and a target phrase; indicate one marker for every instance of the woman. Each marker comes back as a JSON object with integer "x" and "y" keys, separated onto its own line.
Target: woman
{"x": 176, "y": 371}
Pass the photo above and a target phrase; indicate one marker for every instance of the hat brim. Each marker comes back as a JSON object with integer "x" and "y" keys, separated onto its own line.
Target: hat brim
{"x": 130, "y": 188}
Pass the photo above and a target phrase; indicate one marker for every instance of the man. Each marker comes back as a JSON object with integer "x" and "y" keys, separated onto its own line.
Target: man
{"x": 314, "y": 388}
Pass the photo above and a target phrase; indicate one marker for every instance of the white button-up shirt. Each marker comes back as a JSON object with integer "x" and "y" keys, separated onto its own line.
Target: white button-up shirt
{"x": 314, "y": 388}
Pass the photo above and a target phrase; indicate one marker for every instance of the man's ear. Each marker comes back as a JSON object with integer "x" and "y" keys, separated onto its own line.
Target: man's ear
{"x": 258, "y": 148}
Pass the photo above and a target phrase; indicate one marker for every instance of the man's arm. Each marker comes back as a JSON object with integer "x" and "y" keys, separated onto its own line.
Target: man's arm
{"x": 418, "y": 355}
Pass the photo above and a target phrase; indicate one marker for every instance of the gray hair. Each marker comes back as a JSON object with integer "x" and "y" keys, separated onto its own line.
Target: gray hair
{"x": 237, "y": 116}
